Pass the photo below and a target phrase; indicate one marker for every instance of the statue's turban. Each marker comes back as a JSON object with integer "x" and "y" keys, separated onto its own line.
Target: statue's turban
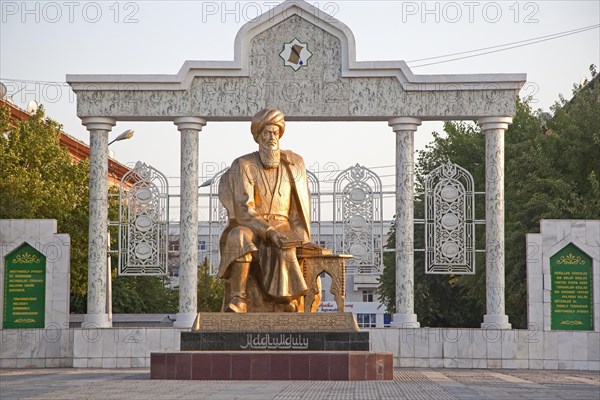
{"x": 267, "y": 116}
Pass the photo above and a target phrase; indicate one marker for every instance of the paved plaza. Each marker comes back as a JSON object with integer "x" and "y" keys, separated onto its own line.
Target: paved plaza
{"x": 438, "y": 384}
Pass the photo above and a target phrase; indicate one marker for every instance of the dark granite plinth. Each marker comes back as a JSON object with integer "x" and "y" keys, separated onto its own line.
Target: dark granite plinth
{"x": 275, "y": 341}
{"x": 272, "y": 365}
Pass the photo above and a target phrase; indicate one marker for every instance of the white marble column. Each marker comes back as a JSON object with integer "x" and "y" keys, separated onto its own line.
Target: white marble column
{"x": 96, "y": 316}
{"x": 190, "y": 128}
{"x": 405, "y": 128}
{"x": 494, "y": 128}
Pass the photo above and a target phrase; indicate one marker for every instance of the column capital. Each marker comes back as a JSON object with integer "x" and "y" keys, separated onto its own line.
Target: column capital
{"x": 404, "y": 123}
{"x": 488, "y": 123}
{"x": 193, "y": 123}
{"x": 98, "y": 123}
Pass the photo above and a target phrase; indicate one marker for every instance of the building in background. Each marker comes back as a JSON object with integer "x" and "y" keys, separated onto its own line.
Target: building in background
{"x": 78, "y": 150}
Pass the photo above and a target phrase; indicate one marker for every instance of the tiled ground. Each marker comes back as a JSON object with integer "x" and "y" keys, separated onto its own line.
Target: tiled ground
{"x": 408, "y": 383}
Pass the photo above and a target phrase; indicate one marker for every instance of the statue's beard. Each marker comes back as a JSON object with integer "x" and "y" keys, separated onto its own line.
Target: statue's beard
{"x": 269, "y": 157}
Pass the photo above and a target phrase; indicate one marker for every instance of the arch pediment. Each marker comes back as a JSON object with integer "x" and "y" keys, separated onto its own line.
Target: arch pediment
{"x": 302, "y": 60}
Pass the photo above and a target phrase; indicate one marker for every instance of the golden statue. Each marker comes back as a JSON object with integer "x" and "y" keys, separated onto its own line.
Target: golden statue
{"x": 268, "y": 203}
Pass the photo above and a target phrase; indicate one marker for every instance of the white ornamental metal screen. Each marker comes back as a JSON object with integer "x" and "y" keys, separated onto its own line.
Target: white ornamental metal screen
{"x": 358, "y": 219}
{"x": 143, "y": 222}
{"x": 217, "y": 221}
{"x": 449, "y": 221}
{"x": 315, "y": 206}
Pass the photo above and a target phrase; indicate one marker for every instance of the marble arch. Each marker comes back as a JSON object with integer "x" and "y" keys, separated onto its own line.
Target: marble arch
{"x": 330, "y": 86}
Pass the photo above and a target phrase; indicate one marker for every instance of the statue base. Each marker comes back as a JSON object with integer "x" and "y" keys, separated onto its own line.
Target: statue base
{"x": 274, "y": 341}
{"x": 273, "y": 346}
{"x": 275, "y": 322}
{"x": 261, "y": 365}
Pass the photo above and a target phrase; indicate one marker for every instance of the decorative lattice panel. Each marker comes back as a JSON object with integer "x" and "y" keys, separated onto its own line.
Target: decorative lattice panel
{"x": 217, "y": 221}
{"x": 143, "y": 222}
{"x": 449, "y": 221}
{"x": 358, "y": 219}
{"x": 315, "y": 206}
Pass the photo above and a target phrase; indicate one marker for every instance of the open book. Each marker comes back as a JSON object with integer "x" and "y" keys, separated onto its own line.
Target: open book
{"x": 293, "y": 239}
{"x": 313, "y": 250}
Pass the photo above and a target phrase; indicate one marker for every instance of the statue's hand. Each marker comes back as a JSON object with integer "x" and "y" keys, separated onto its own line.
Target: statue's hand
{"x": 276, "y": 238}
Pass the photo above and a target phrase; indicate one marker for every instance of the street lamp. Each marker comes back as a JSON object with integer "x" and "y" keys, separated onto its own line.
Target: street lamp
{"x": 206, "y": 183}
{"x": 128, "y": 134}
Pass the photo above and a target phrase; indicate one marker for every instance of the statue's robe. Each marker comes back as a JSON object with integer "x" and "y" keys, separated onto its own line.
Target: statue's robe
{"x": 254, "y": 207}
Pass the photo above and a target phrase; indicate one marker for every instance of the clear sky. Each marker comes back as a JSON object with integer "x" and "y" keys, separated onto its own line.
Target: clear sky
{"x": 41, "y": 42}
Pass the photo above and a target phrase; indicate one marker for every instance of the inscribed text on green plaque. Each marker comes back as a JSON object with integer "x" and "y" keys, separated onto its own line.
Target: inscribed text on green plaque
{"x": 571, "y": 299}
{"x": 24, "y": 288}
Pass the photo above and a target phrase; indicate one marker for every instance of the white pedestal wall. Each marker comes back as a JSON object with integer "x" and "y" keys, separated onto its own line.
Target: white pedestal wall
{"x": 84, "y": 348}
{"x": 489, "y": 348}
{"x": 41, "y": 235}
{"x": 412, "y": 347}
{"x": 554, "y": 235}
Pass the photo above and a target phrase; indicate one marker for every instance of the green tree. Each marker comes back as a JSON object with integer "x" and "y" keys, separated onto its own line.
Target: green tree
{"x": 143, "y": 294}
{"x": 39, "y": 180}
{"x": 441, "y": 300}
{"x": 552, "y": 171}
{"x": 210, "y": 290}
{"x": 387, "y": 281}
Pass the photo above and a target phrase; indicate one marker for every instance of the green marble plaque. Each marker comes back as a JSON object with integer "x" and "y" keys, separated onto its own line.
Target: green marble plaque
{"x": 571, "y": 299}
{"x": 24, "y": 288}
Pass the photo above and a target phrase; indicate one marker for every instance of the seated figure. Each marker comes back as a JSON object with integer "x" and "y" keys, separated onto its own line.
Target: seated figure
{"x": 267, "y": 201}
